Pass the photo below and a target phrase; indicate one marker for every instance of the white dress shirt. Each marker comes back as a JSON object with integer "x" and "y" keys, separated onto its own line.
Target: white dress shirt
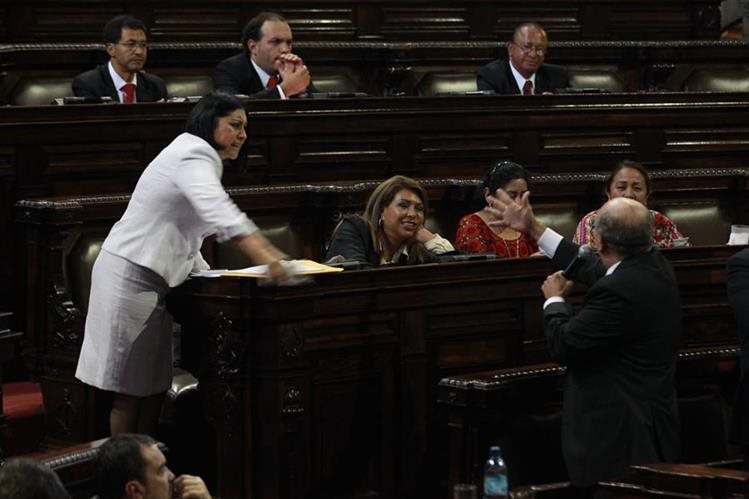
{"x": 178, "y": 202}
{"x": 264, "y": 77}
{"x": 520, "y": 79}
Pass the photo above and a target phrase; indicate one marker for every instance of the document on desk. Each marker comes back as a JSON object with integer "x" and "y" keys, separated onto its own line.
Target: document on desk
{"x": 297, "y": 267}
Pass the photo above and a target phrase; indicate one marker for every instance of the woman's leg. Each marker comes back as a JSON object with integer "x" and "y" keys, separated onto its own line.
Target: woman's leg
{"x": 131, "y": 414}
{"x": 148, "y": 414}
{"x": 124, "y": 415}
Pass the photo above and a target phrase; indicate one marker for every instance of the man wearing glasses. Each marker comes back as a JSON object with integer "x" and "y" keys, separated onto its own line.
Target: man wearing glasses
{"x": 122, "y": 78}
{"x": 524, "y": 72}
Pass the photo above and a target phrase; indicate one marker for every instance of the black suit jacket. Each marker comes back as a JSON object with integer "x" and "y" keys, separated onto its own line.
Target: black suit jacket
{"x": 620, "y": 349}
{"x": 98, "y": 83}
{"x": 497, "y": 76}
{"x": 353, "y": 241}
{"x": 737, "y": 273}
{"x": 237, "y": 75}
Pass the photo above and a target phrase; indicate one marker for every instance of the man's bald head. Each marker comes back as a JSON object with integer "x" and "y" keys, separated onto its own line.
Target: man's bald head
{"x": 625, "y": 227}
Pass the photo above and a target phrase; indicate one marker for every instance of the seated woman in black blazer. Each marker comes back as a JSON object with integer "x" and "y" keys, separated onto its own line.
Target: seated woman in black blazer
{"x": 391, "y": 230}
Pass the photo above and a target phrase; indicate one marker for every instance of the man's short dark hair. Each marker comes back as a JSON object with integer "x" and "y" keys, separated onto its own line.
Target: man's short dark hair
{"x": 22, "y": 478}
{"x": 626, "y": 236}
{"x": 203, "y": 117}
{"x": 252, "y": 29}
{"x": 120, "y": 460}
{"x": 113, "y": 29}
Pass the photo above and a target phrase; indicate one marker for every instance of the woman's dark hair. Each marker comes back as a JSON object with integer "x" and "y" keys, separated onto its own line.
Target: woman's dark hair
{"x": 627, "y": 163}
{"x": 203, "y": 117}
{"x": 501, "y": 174}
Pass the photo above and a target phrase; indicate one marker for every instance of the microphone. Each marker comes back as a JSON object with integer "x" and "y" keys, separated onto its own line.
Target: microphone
{"x": 582, "y": 254}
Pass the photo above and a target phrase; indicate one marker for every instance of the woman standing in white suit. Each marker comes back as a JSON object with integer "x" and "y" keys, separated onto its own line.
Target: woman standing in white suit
{"x": 179, "y": 201}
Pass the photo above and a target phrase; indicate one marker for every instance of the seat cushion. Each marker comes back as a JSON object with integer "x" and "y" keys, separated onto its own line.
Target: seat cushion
{"x": 40, "y": 91}
{"x": 718, "y": 80}
{"x": 22, "y": 399}
{"x": 447, "y": 83}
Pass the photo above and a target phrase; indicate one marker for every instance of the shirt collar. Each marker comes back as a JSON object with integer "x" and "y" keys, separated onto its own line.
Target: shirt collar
{"x": 119, "y": 82}
{"x": 264, "y": 77}
{"x": 611, "y": 269}
{"x": 520, "y": 79}
{"x": 403, "y": 250}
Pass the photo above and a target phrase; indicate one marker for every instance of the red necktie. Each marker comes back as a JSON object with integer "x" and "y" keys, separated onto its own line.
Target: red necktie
{"x": 273, "y": 81}
{"x": 528, "y": 88}
{"x": 129, "y": 90}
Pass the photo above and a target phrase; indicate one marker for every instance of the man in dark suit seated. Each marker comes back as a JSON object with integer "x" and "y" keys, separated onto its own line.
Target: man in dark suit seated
{"x": 266, "y": 68}
{"x": 620, "y": 348}
{"x": 524, "y": 72}
{"x": 122, "y": 78}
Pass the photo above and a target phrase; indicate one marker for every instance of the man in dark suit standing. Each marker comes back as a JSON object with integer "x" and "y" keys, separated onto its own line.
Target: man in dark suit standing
{"x": 123, "y": 78}
{"x": 266, "y": 68}
{"x": 620, "y": 349}
{"x": 524, "y": 72}
{"x": 737, "y": 274}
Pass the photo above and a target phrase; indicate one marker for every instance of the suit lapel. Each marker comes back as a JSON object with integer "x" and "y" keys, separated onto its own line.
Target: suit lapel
{"x": 108, "y": 83}
{"x": 511, "y": 78}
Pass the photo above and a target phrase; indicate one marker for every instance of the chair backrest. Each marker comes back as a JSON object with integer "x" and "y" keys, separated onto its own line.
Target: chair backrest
{"x": 333, "y": 81}
{"x": 446, "y": 83}
{"x": 563, "y": 218}
{"x": 600, "y": 78}
{"x": 187, "y": 86}
{"x": 718, "y": 80}
{"x": 40, "y": 91}
{"x": 703, "y": 222}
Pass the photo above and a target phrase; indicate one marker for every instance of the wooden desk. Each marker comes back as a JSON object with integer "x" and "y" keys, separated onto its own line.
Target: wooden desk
{"x": 335, "y": 384}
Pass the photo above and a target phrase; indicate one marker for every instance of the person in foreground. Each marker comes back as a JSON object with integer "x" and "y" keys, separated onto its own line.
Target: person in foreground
{"x": 391, "y": 230}
{"x": 123, "y": 78}
{"x": 630, "y": 180}
{"x": 22, "y": 478}
{"x": 266, "y": 68}
{"x": 475, "y": 235}
{"x": 132, "y": 466}
{"x": 524, "y": 71}
{"x": 737, "y": 277}
{"x": 620, "y": 349}
{"x": 178, "y": 201}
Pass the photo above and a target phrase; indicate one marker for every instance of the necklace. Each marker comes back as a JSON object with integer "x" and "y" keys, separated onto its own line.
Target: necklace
{"x": 507, "y": 247}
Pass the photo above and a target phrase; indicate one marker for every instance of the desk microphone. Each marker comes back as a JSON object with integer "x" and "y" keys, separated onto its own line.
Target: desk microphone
{"x": 582, "y": 254}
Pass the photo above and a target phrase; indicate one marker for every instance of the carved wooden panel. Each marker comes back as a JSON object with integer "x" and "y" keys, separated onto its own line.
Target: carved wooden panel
{"x": 3, "y": 23}
{"x": 321, "y": 22}
{"x": 425, "y": 22}
{"x": 361, "y": 156}
{"x": 565, "y": 149}
{"x": 724, "y": 146}
{"x": 187, "y": 23}
{"x": 460, "y": 154}
{"x": 72, "y": 22}
{"x": 562, "y": 22}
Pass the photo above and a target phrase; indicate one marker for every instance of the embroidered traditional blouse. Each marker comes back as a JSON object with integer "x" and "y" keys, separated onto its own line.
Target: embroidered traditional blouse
{"x": 474, "y": 236}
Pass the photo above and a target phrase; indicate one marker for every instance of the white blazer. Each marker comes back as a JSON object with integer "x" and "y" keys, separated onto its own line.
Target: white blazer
{"x": 179, "y": 201}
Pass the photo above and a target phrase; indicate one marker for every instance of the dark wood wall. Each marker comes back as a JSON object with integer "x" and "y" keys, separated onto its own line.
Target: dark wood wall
{"x": 203, "y": 20}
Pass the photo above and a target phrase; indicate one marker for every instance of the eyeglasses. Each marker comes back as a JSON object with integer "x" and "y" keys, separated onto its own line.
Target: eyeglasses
{"x": 133, "y": 45}
{"x": 527, "y": 49}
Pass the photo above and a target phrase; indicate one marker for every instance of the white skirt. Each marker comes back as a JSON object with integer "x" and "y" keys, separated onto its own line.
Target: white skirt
{"x": 127, "y": 345}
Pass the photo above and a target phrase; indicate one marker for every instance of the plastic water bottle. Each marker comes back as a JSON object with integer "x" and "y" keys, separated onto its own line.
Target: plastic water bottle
{"x": 495, "y": 475}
